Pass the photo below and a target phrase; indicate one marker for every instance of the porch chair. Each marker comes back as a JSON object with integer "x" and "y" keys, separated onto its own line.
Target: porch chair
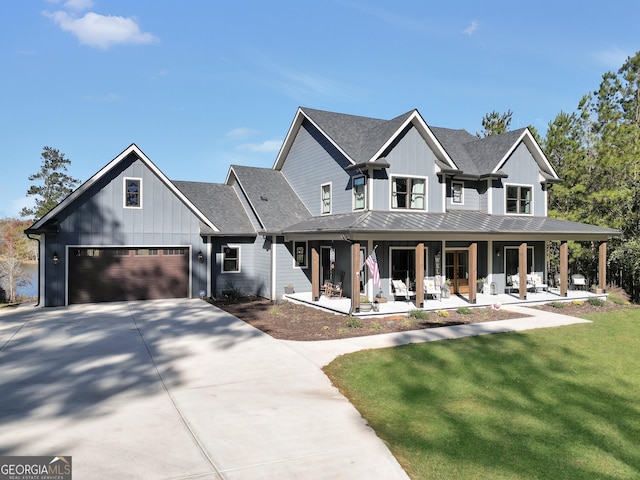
{"x": 515, "y": 283}
{"x": 432, "y": 286}
{"x": 536, "y": 283}
{"x": 579, "y": 281}
{"x": 400, "y": 289}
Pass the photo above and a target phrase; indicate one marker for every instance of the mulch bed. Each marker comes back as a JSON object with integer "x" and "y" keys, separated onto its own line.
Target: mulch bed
{"x": 291, "y": 321}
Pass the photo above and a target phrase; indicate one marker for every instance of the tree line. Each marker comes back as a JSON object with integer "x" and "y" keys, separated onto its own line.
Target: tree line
{"x": 596, "y": 151}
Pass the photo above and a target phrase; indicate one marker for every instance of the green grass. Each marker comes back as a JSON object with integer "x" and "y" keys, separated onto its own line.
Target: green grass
{"x": 558, "y": 403}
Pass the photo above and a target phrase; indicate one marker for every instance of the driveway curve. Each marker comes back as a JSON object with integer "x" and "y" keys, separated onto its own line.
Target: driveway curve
{"x": 174, "y": 389}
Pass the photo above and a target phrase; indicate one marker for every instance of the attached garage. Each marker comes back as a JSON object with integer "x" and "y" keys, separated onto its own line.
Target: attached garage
{"x": 118, "y": 274}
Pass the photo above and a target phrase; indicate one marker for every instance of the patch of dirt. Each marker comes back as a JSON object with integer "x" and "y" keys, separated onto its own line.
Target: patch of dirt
{"x": 292, "y": 321}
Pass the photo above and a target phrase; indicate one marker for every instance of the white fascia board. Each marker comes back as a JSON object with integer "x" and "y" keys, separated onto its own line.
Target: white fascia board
{"x": 133, "y": 148}
{"x": 291, "y": 135}
{"x": 426, "y": 133}
{"x": 538, "y": 154}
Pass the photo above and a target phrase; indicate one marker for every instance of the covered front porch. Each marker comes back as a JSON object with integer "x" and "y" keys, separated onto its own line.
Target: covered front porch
{"x": 399, "y": 307}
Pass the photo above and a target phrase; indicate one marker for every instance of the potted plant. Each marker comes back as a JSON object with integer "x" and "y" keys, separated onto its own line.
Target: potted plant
{"x": 365, "y": 304}
{"x": 479, "y": 285}
{"x": 288, "y": 289}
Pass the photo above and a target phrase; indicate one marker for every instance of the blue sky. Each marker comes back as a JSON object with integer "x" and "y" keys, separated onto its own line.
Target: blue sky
{"x": 202, "y": 84}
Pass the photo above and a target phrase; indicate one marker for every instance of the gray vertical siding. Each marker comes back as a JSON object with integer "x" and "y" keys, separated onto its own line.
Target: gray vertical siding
{"x": 313, "y": 161}
{"x": 522, "y": 170}
{"x": 99, "y": 218}
{"x": 410, "y": 156}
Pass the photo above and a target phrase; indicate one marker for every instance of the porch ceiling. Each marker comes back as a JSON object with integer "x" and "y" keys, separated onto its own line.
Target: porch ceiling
{"x": 450, "y": 225}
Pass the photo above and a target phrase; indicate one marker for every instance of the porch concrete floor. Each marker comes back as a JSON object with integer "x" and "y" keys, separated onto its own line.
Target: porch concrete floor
{"x": 343, "y": 305}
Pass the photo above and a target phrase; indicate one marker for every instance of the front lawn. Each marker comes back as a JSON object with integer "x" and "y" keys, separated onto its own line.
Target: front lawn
{"x": 561, "y": 403}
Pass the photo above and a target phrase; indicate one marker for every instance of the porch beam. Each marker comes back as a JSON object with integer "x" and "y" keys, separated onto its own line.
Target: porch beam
{"x": 602, "y": 267}
{"x": 315, "y": 271}
{"x": 473, "y": 272}
{"x": 564, "y": 268}
{"x": 355, "y": 277}
{"x": 420, "y": 275}
{"x": 522, "y": 270}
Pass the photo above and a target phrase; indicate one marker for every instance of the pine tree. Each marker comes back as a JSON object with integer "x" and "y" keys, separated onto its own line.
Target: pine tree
{"x": 56, "y": 184}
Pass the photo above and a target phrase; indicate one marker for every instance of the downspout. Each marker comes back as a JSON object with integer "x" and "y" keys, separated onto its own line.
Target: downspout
{"x": 39, "y": 259}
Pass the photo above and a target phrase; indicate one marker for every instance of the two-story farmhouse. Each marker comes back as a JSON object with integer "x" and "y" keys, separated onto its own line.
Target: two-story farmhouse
{"x": 430, "y": 201}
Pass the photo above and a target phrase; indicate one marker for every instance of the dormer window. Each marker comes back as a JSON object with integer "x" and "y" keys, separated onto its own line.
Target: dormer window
{"x": 133, "y": 193}
{"x": 408, "y": 193}
{"x": 518, "y": 200}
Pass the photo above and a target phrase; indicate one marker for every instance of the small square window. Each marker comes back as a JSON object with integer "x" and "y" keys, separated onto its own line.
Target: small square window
{"x": 133, "y": 193}
{"x": 231, "y": 259}
{"x": 518, "y": 199}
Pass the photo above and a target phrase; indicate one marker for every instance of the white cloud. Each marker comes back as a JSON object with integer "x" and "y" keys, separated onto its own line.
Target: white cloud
{"x": 471, "y": 29}
{"x": 102, "y": 31}
{"x": 78, "y": 5}
{"x": 268, "y": 146}
{"x": 240, "y": 133}
{"x": 613, "y": 57}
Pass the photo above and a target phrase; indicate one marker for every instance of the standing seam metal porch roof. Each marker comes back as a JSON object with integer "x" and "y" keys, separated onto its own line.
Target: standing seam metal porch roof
{"x": 455, "y": 222}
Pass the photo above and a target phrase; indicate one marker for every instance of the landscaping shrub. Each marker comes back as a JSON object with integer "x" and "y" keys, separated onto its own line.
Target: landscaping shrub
{"x": 464, "y": 311}
{"x": 596, "y": 302}
{"x": 443, "y": 313}
{"x": 556, "y": 304}
{"x": 419, "y": 314}
{"x": 354, "y": 322}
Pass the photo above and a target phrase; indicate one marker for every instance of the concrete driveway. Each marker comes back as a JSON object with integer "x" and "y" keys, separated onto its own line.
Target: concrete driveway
{"x": 174, "y": 389}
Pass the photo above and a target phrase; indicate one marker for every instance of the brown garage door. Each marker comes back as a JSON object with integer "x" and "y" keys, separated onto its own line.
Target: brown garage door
{"x": 115, "y": 274}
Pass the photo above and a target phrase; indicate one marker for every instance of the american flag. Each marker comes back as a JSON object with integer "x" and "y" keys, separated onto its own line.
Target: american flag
{"x": 372, "y": 263}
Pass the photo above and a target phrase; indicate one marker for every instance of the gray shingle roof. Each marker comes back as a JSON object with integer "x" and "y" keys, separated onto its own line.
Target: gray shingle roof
{"x": 359, "y": 137}
{"x": 473, "y": 155}
{"x": 450, "y": 223}
{"x": 220, "y": 204}
{"x": 271, "y": 196}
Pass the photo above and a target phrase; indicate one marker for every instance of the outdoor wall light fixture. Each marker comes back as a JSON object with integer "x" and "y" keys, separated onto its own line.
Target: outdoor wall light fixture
{"x": 55, "y": 258}
{"x": 200, "y": 256}
{"x": 497, "y": 252}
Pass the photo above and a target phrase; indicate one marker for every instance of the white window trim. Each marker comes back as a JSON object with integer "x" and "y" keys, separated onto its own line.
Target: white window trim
{"x": 322, "y": 212}
{"x": 461, "y": 183}
{"x": 531, "y": 205}
{"x": 124, "y": 192}
{"x": 306, "y": 254}
{"x": 229, "y": 245}
{"x": 353, "y": 193}
{"x": 426, "y": 194}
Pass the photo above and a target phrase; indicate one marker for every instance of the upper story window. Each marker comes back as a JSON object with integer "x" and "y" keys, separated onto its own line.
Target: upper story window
{"x": 133, "y": 193}
{"x": 359, "y": 193}
{"x": 408, "y": 193}
{"x": 230, "y": 259}
{"x": 457, "y": 192}
{"x": 300, "y": 254}
{"x": 325, "y": 194}
{"x": 518, "y": 199}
